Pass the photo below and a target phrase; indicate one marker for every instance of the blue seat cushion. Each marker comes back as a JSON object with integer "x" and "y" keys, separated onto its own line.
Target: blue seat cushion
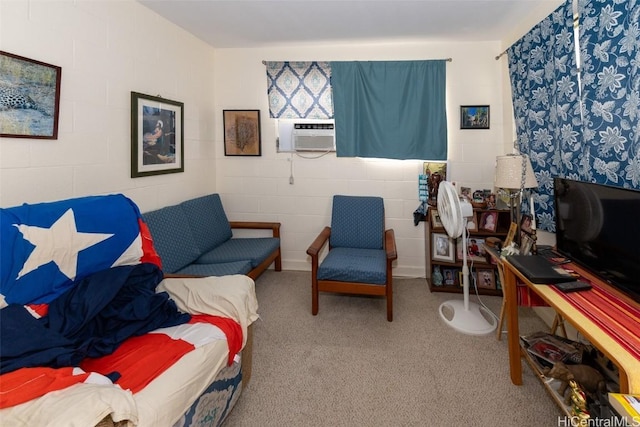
{"x": 354, "y": 265}
{"x": 254, "y": 249}
{"x": 222, "y": 269}
{"x": 172, "y": 237}
{"x": 208, "y": 221}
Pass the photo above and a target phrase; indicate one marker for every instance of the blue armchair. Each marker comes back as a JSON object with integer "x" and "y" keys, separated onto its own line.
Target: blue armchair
{"x": 361, "y": 252}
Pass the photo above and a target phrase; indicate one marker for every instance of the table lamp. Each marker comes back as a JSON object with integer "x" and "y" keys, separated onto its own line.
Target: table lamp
{"x": 514, "y": 173}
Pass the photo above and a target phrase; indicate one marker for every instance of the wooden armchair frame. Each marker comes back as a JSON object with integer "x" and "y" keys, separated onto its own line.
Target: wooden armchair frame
{"x": 353, "y": 288}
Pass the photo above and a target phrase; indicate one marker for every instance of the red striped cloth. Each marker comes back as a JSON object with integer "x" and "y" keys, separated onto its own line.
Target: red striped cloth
{"x": 619, "y": 318}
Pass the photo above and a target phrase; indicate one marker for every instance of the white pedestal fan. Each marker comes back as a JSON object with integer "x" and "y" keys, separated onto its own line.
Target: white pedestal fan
{"x": 463, "y": 316}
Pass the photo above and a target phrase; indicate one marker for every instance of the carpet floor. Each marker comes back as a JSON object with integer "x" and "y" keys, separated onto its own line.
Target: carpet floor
{"x": 348, "y": 366}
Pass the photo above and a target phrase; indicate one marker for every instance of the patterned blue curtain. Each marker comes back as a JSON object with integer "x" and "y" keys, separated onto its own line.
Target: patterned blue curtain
{"x": 544, "y": 84}
{"x": 610, "y": 56}
{"x": 299, "y": 90}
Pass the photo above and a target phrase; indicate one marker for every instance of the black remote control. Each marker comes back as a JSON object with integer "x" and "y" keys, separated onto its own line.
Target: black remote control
{"x": 576, "y": 285}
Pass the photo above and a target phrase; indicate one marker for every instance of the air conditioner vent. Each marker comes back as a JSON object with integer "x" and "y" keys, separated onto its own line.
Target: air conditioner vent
{"x": 319, "y": 136}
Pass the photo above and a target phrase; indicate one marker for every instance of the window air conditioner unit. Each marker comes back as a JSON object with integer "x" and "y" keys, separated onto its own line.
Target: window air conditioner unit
{"x": 314, "y": 137}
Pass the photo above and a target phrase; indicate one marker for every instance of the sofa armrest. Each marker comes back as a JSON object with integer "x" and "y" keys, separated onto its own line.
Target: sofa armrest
{"x": 257, "y": 225}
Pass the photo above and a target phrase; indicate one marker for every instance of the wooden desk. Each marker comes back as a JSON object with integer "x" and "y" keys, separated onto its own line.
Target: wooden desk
{"x": 628, "y": 365}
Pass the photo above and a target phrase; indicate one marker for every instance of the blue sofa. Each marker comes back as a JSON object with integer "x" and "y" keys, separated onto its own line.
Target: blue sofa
{"x": 195, "y": 238}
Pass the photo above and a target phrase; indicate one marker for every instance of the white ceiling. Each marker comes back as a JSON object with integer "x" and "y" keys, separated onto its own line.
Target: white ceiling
{"x": 260, "y": 23}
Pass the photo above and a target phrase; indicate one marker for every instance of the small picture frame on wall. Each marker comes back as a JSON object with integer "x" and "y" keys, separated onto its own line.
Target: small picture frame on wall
{"x": 157, "y": 135}
{"x": 34, "y": 89}
{"x": 242, "y": 133}
{"x": 474, "y": 117}
{"x": 443, "y": 248}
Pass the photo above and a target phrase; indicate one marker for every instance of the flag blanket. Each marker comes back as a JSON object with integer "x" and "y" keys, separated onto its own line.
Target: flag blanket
{"x": 47, "y": 246}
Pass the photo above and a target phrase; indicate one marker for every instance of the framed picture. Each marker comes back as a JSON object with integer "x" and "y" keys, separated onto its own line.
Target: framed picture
{"x": 242, "y": 133}
{"x": 34, "y": 90}
{"x": 157, "y": 135}
{"x": 526, "y": 244}
{"x": 475, "y": 250}
{"x": 443, "y": 249}
{"x": 472, "y": 223}
{"x": 450, "y": 277}
{"x": 486, "y": 278}
{"x": 436, "y": 172}
{"x": 489, "y": 221}
{"x": 513, "y": 229}
{"x": 435, "y": 219}
{"x": 525, "y": 223}
{"x": 474, "y": 117}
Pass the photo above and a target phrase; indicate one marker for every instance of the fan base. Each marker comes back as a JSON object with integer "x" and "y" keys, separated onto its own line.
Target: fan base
{"x": 471, "y": 321}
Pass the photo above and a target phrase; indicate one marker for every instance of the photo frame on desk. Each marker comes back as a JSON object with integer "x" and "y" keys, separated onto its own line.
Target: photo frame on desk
{"x": 513, "y": 229}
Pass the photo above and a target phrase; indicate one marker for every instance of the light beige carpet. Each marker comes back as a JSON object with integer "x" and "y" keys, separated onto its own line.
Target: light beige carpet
{"x": 348, "y": 366}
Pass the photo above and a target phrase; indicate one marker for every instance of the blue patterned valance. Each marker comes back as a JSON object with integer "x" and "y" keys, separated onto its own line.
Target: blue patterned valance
{"x": 299, "y": 90}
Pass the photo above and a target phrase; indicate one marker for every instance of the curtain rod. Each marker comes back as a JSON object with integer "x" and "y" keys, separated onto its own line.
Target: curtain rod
{"x": 500, "y": 56}
{"x": 446, "y": 59}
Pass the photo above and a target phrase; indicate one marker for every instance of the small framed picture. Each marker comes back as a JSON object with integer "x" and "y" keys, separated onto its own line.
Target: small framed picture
{"x": 526, "y": 244}
{"x": 486, "y": 278}
{"x": 242, "y": 133}
{"x": 525, "y": 223}
{"x": 513, "y": 229}
{"x": 472, "y": 223}
{"x": 443, "y": 247}
{"x": 474, "y": 117}
{"x": 450, "y": 278}
{"x": 475, "y": 250}
{"x": 435, "y": 219}
{"x": 489, "y": 221}
{"x": 465, "y": 192}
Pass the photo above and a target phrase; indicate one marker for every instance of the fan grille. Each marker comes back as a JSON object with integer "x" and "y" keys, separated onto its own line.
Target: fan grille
{"x": 450, "y": 210}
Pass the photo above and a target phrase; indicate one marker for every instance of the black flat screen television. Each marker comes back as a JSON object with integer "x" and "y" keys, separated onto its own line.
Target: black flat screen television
{"x": 598, "y": 226}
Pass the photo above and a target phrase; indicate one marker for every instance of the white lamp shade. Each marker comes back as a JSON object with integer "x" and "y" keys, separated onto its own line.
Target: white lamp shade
{"x": 509, "y": 172}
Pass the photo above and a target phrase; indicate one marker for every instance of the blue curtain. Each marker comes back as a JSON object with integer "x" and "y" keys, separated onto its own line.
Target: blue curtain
{"x": 610, "y": 57}
{"x": 545, "y": 91}
{"x": 390, "y": 109}
{"x": 595, "y": 139}
{"x": 299, "y": 90}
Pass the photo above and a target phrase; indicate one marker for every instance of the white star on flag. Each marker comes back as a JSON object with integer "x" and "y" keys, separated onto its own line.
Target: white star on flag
{"x": 60, "y": 244}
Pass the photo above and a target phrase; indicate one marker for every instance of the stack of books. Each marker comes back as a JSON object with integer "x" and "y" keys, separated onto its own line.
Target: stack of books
{"x": 627, "y": 406}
